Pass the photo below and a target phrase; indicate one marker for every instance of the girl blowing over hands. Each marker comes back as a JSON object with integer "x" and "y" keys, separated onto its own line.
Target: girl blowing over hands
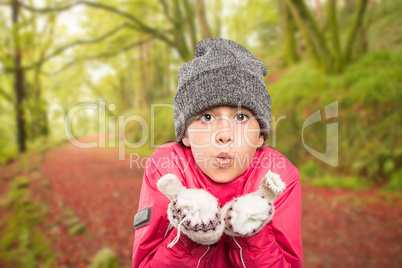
{"x": 218, "y": 196}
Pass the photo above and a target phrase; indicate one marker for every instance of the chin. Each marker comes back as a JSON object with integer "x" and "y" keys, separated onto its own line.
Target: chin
{"x": 222, "y": 178}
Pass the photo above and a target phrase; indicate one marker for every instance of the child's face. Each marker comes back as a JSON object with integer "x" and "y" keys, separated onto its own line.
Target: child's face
{"x": 230, "y": 129}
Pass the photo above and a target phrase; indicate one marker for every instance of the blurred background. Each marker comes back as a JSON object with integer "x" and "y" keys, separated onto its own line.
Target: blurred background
{"x": 103, "y": 74}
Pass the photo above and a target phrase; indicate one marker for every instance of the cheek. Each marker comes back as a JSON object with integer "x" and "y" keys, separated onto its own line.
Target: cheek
{"x": 199, "y": 141}
{"x": 250, "y": 133}
{"x": 199, "y": 134}
{"x": 205, "y": 163}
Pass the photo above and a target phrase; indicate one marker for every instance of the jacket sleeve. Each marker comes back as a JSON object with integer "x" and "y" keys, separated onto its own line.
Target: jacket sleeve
{"x": 278, "y": 244}
{"x": 151, "y": 240}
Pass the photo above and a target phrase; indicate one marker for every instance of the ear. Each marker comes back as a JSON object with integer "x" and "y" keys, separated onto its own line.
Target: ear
{"x": 260, "y": 141}
{"x": 186, "y": 141}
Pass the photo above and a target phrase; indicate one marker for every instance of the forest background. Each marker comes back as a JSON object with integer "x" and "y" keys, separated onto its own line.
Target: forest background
{"x": 78, "y": 69}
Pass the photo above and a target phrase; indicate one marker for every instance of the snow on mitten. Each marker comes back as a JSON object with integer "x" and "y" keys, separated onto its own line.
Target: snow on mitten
{"x": 195, "y": 212}
{"x": 248, "y": 214}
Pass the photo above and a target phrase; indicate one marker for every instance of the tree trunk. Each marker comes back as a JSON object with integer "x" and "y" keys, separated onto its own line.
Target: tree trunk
{"x": 190, "y": 17}
{"x": 362, "y": 42}
{"x": 124, "y": 85}
{"x": 315, "y": 40}
{"x": 354, "y": 31}
{"x": 217, "y": 17}
{"x": 303, "y": 29}
{"x": 349, "y": 6}
{"x": 202, "y": 20}
{"x": 147, "y": 74}
{"x": 167, "y": 70}
{"x": 318, "y": 9}
{"x": 18, "y": 81}
{"x": 333, "y": 27}
{"x": 41, "y": 127}
{"x": 179, "y": 33}
{"x": 290, "y": 55}
{"x": 140, "y": 86}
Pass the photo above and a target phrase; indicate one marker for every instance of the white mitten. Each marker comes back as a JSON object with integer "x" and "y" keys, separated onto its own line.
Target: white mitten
{"x": 195, "y": 212}
{"x": 248, "y": 214}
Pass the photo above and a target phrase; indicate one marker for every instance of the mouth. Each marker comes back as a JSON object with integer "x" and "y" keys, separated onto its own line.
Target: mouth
{"x": 224, "y": 159}
{"x": 224, "y": 162}
{"x": 224, "y": 156}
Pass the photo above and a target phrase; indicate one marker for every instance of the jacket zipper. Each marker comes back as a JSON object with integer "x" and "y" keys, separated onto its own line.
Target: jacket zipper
{"x": 241, "y": 257}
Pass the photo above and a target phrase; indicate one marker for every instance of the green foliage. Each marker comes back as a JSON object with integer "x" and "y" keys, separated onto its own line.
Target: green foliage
{"x": 163, "y": 127}
{"x": 73, "y": 223}
{"x": 8, "y": 152}
{"x": 342, "y": 182}
{"x": 164, "y": 120}
{"x": 369, "y": 94}
{"x": 262, "y": 17}
{"x": 308, "y": 171}
{"x": 375, "y": 79}
{"x": 104, "y": 258}
{"x": 8, "y": 139}
{"x": 386, "y": 16}
{"x": 395, "y": 183}
{"x": 21, "y": 243}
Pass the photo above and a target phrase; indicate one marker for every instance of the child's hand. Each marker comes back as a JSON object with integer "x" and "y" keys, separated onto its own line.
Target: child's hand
{"x": 195, "y": 212}
{"x": 248, "y": 214}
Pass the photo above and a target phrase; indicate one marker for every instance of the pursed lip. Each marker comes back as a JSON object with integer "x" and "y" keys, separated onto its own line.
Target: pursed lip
{"x": 224, "y": 155}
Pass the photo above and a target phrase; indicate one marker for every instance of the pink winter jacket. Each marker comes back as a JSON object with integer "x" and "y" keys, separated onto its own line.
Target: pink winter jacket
{"x": 278, "y": 244}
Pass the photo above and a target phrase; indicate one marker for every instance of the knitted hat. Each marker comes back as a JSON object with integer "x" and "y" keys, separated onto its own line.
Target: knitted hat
{"x": 222, "y": 73}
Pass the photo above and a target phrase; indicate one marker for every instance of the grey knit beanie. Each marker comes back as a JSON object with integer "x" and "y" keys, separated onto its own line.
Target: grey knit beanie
{"x": 222, "y": 73}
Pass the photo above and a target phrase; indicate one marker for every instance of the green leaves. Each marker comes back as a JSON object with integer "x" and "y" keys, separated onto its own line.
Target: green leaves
{"x": 73, "y": 223}
{"x": 369, "y": 121}
{"x": 22, "y": 244}
{"x": 104, "y": 258}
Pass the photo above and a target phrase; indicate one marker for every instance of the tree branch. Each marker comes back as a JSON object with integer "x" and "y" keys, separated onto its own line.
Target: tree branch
{"x": 166, "y": 12}
{"x": 61, "y": 49}
{"x": 357, "y": 24}
{"x": 126, "y": 15}
{"x": 141, "y": 26}
{"x": 99, "y": 56}
{"x": 333, "y": 26}
{"x": 190, "y": 18}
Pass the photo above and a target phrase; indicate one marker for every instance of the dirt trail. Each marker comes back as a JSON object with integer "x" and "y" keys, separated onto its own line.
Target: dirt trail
{"x": 102, "y": 191}
{"x": 339, "y": 228}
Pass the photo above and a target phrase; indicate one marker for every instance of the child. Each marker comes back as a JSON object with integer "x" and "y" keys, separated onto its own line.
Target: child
{"x": 222, "y": 117}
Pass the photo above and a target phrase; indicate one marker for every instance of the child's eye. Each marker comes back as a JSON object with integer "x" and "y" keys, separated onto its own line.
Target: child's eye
{"x": 208, "y": 118}
{"x": 242, "y": 117}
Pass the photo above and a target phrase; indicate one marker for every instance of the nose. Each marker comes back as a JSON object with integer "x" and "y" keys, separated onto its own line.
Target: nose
{"x": 224, "y": 131}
